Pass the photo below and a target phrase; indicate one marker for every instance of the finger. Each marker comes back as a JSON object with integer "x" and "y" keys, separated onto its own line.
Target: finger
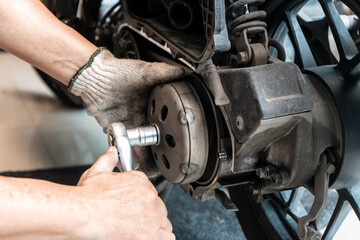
{"x": 163, "y": 72}
{"x": 83, "y": 177}
{"x": 110, "y": 149}
{"x": 161, "y": 206}
{"x": 137, "y": 174}
{"x": 105, "y": 163}
{"x": 165, "y": 235}
{"x": 166, "y": 225}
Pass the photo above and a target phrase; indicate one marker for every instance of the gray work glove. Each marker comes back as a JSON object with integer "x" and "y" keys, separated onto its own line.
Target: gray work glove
{"x": 117, "y": 90}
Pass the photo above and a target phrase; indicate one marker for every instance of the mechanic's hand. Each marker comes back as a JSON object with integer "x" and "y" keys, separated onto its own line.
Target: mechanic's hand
{"x": 122, "y": 205}
{"x": 117, "y": 90}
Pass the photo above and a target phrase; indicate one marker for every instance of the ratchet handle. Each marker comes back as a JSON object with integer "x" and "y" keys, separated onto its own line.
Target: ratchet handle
{"x": 124, "y": 139}
{"x": 117, "y": 137}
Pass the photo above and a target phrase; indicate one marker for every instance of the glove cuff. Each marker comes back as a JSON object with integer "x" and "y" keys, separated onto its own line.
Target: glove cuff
{"x": 87, "y": 65}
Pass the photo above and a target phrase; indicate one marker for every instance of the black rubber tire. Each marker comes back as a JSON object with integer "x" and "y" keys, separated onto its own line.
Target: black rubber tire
{"x": 252, "y": 218}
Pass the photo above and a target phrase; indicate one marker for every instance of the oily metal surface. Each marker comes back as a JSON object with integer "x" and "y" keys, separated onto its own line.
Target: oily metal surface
{"x": 182, "y": 151}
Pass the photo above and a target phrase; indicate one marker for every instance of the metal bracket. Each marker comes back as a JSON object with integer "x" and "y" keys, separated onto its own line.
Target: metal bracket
{"x": 321, "y": 186}
{"x": 225, "y": 201}
{"x": 208, "y": 70}
{"x": 253, "y": 53}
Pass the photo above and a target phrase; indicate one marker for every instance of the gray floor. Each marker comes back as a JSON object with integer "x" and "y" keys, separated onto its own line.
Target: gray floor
{"x": 39, "y": 132}
{"x": 201, "y": 220}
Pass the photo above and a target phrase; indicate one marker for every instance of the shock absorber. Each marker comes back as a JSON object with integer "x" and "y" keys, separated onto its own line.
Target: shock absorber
{"x": 251, "y": 39}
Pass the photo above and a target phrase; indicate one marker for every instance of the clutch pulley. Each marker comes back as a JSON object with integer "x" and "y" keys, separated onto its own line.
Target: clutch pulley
{"x": 177, "y": 132}
{"x": 176, "y": 110}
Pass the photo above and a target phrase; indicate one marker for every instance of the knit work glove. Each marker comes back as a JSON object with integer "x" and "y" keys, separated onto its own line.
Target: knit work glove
{"x": 117, "y": 90}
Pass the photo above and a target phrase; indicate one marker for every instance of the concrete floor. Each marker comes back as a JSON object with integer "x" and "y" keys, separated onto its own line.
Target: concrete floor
{"x": 39, "y": 132}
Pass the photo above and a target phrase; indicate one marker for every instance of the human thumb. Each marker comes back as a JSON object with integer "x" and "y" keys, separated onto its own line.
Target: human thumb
{"x": 107, "y": 162}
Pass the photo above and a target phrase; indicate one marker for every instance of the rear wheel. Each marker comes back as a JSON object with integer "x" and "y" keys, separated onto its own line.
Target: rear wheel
{"x": 313, "y": 34}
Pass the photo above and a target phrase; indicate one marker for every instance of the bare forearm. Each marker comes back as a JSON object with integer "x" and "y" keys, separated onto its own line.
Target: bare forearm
{"x": 30, "y": 31}
{"x": 30, "y": 208}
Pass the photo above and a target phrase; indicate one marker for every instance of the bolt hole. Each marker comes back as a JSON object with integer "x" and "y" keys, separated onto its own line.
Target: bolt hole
{"x": 164, "y": 112}
{"x": 165, "y": 161}
{"x": 240, "y": 123}
{"x": 170, "y": 140}
{"x": 152, "y": 109}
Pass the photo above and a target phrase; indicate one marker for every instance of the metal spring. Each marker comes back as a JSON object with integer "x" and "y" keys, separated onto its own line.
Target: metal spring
{"x": 245, "y": 21}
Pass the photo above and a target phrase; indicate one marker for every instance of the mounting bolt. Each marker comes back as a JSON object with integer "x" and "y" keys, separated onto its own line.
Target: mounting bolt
{"x": 262, "y": 173}
{"x": 222, "y": 156}
{"x": 276, "y": 178}
{"x": 243, "y": 57}
{"x": 255, "y": 189}
{"x": 185, "y": 169}
{"x": 330, "y": 168}
{"x": 186, "y": 116}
